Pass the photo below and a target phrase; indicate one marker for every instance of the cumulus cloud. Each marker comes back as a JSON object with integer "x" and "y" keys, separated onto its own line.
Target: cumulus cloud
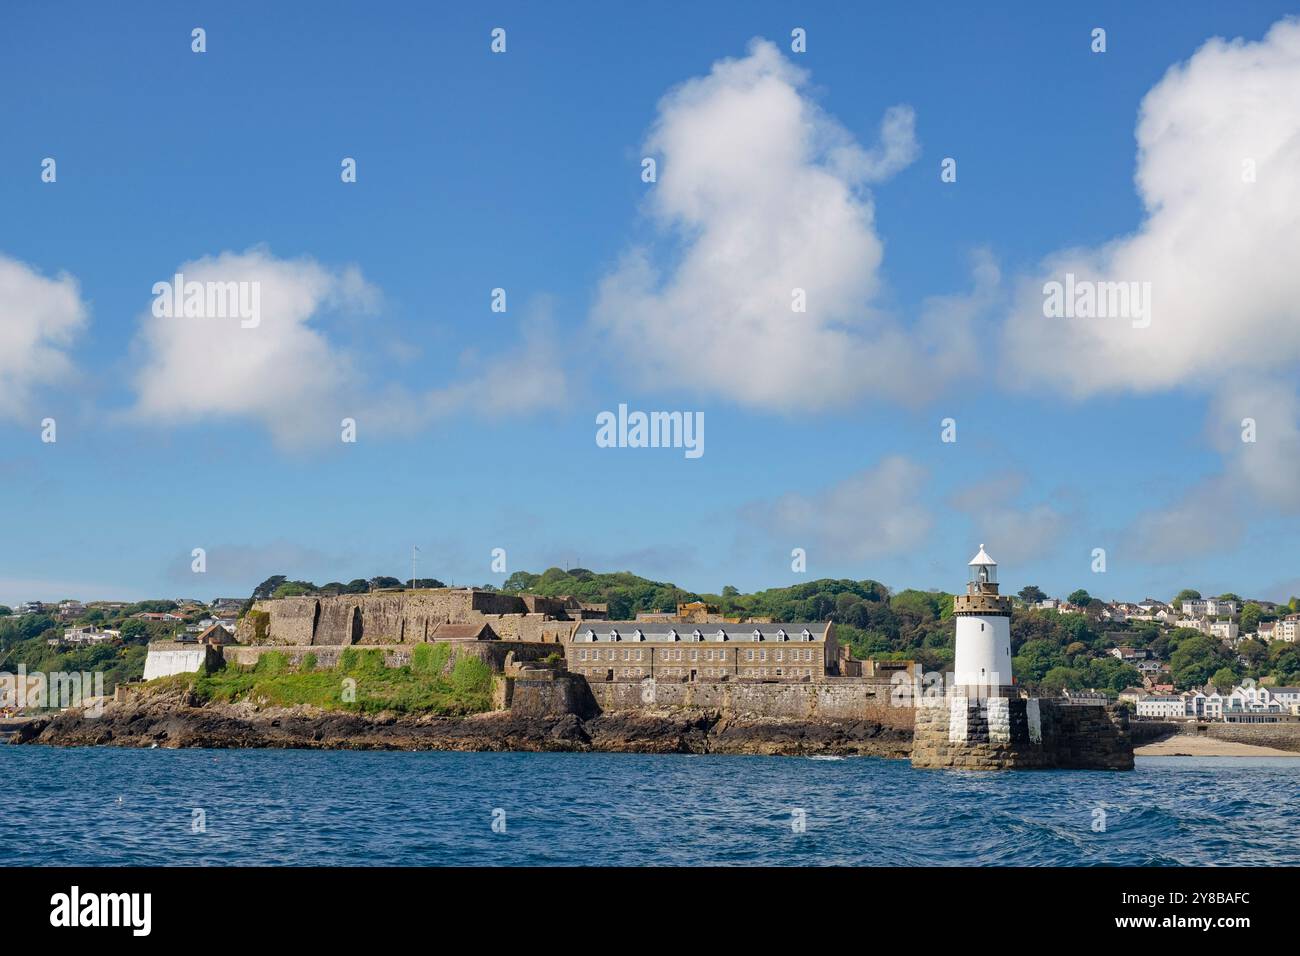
{"x": 874, "y": 513}
{"x": 1218, "y": 148}
{"x": 40, "y": 319}
{"x": 282, "y": 370}
{"x": 1216, "y": 248}
{"x": 760, "y": 193}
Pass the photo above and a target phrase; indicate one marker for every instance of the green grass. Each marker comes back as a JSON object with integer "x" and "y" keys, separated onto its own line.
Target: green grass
{"x": 361, "y": 683}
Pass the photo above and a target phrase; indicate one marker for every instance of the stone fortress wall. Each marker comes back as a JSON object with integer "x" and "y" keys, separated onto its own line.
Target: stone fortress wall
{"x": 408, "y": 617}
{"x": 831, "y": 698}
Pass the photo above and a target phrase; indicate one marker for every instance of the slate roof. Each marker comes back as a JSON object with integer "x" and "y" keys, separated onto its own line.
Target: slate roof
{"x": 673, "y": 631}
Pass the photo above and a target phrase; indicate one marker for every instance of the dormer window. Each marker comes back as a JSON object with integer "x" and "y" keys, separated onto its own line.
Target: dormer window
{"x": 613, "y": 635}
{"x": 672, "y": 634}
{"x": 722, "y": 635}
{"x": 782, "y": 635}
{"x": 807, "y": 634}
{"x": 696, "y": 635}
{"x": 757, "y": 634}
{"x": 638, "y": 635}
{"x": 591, "y": 635}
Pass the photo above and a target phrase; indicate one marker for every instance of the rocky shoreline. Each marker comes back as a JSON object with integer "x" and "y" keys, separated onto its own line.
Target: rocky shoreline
{"x": 175, "y": 721}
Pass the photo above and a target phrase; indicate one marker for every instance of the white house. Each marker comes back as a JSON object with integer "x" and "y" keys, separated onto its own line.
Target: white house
{"x": 85, "y": 636}
{"x": 1288, "y": 697}
{"x": 1252, "y": 700}
{"x": 1210, "y": 607}
{"x": 1287, "y": 630}
{"x": 1225, "y": 630}
{"x": 1162, "y": 705}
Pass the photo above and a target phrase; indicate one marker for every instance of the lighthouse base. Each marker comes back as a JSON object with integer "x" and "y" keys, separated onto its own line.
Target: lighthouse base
{"x": 1015, "y": 733}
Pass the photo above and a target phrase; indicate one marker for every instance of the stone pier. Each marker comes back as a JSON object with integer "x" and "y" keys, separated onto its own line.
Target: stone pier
{"x": 1018, "y": 733}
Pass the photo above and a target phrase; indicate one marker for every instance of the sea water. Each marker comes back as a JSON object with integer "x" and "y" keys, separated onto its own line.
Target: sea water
{"x": 88, "y": 806}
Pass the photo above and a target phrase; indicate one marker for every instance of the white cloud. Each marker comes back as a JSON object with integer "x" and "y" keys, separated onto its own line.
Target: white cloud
{"x": 1219, "y": 252}
{"x": 39, "y": 319}
{"x": 760, "y": 193}
{"x": 285, "y": 373}
{"x": 1269, "y": 466}
{"x": 874, "y": 513}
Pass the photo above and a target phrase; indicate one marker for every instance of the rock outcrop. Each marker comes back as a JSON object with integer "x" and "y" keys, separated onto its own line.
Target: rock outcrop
{"x": 176, "y": 719}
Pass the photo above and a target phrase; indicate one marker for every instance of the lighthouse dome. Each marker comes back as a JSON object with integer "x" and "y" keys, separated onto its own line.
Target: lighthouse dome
{"x": 982, "y": 559}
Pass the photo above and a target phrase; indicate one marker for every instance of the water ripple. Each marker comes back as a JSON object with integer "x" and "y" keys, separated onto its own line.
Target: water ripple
{"x": 103, "y": 806}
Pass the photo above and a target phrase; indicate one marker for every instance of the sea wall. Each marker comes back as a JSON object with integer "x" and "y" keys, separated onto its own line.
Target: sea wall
{"x": 1015, "y": 733}
{"x": 832, "y": 699}
{"x": 1281, "y": 736}
{"x": 539, "y": 693}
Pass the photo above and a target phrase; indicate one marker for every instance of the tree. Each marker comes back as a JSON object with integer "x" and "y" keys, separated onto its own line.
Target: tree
{"x": 294, "y": 589}
{"x": 1061, "y": 678}
{"x": 520, "y": 581}
{"x": 1079, "y": 598}
{"x": 1254, "y": 651}
{"x": 5, "y": 610}
{"x": 134, "y": 631}
{"x": 264, "y": 590}
{"x": 1035, "y": 659}
{"x": 1195, "y": 659}
{"x": 382, "y": 581}
{"x": 1228, "y": 596}
{"x": 1186, "y": 594}
{"x": 1250, "y": 615}
{"x": 1225, "y": 678}
{"x": 1031, "y": 594}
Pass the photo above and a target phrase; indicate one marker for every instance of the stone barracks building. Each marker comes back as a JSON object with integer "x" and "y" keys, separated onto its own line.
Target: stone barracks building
{"x": 636, "y": 650}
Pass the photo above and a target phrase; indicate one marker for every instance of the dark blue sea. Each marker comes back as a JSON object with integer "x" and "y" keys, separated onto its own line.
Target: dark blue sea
{"x": 107, "y": 806}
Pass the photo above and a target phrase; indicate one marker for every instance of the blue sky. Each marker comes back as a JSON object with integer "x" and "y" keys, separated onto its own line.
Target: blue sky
{"x": 522, "y": 171}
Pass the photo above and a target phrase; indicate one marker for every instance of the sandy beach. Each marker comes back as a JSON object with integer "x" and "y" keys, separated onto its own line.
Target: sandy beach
{"x": 1184, "y": 745}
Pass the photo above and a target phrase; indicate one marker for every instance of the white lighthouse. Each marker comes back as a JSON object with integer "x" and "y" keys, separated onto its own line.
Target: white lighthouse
{"x": 983, "y": 664}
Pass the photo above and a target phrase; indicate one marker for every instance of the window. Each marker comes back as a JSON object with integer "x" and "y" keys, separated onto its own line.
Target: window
{"x": 750, "y": 655}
